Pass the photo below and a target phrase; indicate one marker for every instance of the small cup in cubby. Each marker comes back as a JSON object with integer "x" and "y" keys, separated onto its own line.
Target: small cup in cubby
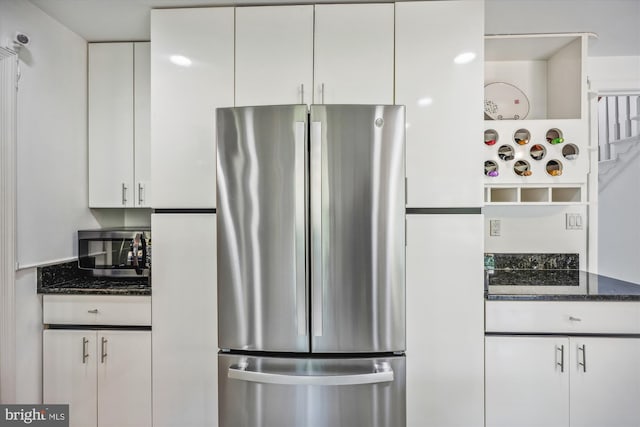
{"x": 491, "y": 168}
{"x": 506, "y": 153}
{"x": 554, "y": 136}
{"x": 570, "y": 151}
{"x": 522, "y": 136}
{"x": 537, "y": 152}
{"x": 522, "y": 168}
{"x": 554, "y": 167}
{"x": 490, "y": 137}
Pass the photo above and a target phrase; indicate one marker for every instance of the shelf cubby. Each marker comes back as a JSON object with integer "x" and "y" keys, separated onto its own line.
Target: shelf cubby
{"x": 534, "y": 195}
{"x": 548, "y": 68}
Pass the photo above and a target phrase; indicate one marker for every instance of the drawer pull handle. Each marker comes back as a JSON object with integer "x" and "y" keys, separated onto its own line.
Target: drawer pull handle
{"x": 85, "y": 353}
{"x": 561, "y": 362}
{"x": 104, "y": 350}
{"x": 94, "y": 311}
{"x": 575, "y": 319}
{"x": 583, "y": 349}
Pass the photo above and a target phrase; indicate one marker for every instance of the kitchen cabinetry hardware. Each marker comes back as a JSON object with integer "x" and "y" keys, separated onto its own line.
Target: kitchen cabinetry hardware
{"x": 383, "y": 376}
{"x": 140, "y": 193}
{"x": 561, "y": 362}
{"x": 300, "y": 218}
{"x": 575, "y": 319}
{"x": 316, "y": 238}
{"x": 582, "y": 349}
{"x": 103, "y": 352}
{"x": 93, "y": 311}
{"x": 85, "y": 353}
{"x": 302, "y": 93}
{"x": 322, "y": 93}
{"x": 124, "y": 193}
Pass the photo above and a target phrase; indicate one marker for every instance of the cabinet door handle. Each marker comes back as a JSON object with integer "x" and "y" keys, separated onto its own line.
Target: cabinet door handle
{"x": 583, "y": 349}
{"x": 104, "y": 350}
{"x": 322, "y": 93}
{"x": 575, "y": 319}
{"x": 85, "y": 353}
{"x": 93, "y": 311}
{"x": 301, "y": 93}
{"x": 124, "y": 193}
{"x": 561, "y": 362}
{"x": 140, "y": 191}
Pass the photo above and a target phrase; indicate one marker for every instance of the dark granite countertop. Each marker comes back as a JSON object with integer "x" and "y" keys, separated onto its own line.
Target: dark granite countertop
{"x": 68, "y": 279}
{"x": 558, "y": 286}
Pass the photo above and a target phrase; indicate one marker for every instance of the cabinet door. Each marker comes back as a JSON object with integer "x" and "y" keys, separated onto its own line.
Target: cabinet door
{"x": 124, "y": 378}
{"x": 445, "y": 309}
{"x": 142, "y": 126}
{"x": 274, "y": 55}
{"x": 353, "y": 54}
{"x": 185, "y": 331}
{"x": 605, "y": 382}
{"x": 110, "y": 125}
{"x": 527, "y": 381}
{"x": 444, "y": 100}
{"x": 192, "y": 75}
{"x": 69, "y": 373}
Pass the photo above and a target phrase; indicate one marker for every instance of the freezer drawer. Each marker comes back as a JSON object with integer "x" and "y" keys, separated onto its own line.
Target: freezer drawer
{"x": 311, "y": 392}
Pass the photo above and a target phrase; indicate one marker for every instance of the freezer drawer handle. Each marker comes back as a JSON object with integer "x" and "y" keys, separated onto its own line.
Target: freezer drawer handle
{"x": 384, "y": 376}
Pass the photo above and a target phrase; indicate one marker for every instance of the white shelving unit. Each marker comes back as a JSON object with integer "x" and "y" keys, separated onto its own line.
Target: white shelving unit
{"x": 542, "y": 157}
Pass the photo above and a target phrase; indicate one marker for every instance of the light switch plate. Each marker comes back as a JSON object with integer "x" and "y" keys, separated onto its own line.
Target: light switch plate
{"x": 494, "y": 227}
{"x": 574, "y": 221}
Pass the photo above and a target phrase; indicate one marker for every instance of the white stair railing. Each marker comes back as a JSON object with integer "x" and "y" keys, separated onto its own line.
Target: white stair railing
{"x": 619, "y": 121}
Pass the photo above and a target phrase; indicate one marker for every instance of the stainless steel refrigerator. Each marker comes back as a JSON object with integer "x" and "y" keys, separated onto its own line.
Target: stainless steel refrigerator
{"x": 311, "y": 265}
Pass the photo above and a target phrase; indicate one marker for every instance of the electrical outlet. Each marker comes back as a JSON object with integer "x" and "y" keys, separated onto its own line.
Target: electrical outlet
{"x": 574, "y": 221}
{"x": 494, "y": 227}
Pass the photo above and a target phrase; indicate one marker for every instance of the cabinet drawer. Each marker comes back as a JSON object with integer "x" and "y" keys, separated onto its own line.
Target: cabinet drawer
{"x": 570, "y": 317}
{"x": 97, "y": 310}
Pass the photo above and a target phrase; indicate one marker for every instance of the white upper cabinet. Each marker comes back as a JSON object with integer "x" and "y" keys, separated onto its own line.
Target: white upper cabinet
{"x": 119, "y": 125}
{"x": 111, "y": 119}
{"x": 274, "y": 55}
{"x": 192, "y": 61}
{"x": 439, "y": 77}
{"x": 353, "y": 54}
{"x": 142, "y": 126}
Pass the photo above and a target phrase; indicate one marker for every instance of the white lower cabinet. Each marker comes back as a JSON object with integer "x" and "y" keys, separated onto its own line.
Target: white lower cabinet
{"x": 185, "y": 320}
{"x": 104, "y": 376}
{"x": 562, "y": 381}
{"x": 445, "y": 334}
{"x": 605, "y": 382}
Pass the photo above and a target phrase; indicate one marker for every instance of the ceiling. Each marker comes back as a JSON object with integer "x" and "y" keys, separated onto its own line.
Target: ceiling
{"x": 614, "y": 21}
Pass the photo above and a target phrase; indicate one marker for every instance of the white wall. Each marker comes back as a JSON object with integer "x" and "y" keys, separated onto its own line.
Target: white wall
{"x": 52, "y": 167}
{"x": 619, "y": 203}
{"x": 52, "y": 134}
{"x": 615, "y": 73}
{"x": 614, "y": 21}
{"x": 535, "y": 229}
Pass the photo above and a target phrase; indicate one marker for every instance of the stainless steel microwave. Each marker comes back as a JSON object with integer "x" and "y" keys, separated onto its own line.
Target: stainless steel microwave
{"x": 115, "y": 251}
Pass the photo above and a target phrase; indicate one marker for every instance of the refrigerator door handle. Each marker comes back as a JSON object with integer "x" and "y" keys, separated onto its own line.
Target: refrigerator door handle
{"x": 300, "y": 220}
{"x": 379, "y": 376}
{"x": 317, "y": 267}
